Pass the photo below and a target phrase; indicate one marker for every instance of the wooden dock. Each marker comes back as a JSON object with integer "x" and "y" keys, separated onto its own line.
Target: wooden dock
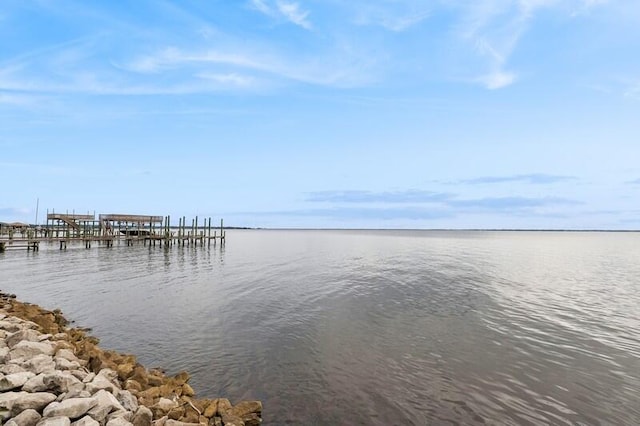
{"x": 113, "y": 229}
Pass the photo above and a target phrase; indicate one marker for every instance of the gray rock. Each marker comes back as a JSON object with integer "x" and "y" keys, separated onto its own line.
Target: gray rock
{"x": 65, "y": 364}
{"x": 79, "y": 374}
{"x": 26, "y": 418}
{"x": 35, "y": 384}
{"x": 16, "y": 380}
{"x": 11, "y": 369}
{"x": 62, "y": 381}
{"x": 128, "y": 401}
{"x": 72, "y": 408}
{"x": 126, "y": 415}
{"x": 161, "y": 421}
{"x": 9, "y": 326}
{"x": 89, "y": 378}
{"x": 166, "y": 404}
{"x": 35, "y": 401}
{"x": 76, "y": 393}
{"x": 4, "y": 354}
{"x": 54, "y": 421}
{"x": 142, "y": 417}
{"x": 119, "y": 421}
{"x": 101, "y": 382}
{"x": 27, "y": 350}
{"x": 85, "y": 421}
{"x": 26, "y": 335}
{"x": 66, "y": 354}
{"x": 40, "y": 364}
{"x": 109, "y": 374}
{"x": 170, "y": 422}
{"x": 105, "y": 404}
{"x": 44, "y": 337}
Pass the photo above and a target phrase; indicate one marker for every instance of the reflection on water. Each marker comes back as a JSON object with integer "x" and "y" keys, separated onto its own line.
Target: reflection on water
{"x": 371, "y": 327}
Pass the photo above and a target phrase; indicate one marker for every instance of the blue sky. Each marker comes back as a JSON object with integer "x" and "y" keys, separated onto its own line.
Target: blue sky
{"x": 283, "y": 113}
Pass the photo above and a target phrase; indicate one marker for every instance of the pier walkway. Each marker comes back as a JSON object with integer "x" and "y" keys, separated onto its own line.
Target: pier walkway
{"x": 110, "y": 230}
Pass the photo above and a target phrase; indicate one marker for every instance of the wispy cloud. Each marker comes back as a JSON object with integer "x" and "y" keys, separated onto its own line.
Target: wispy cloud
{"x": 394, "y": 16}
{"x": 361, "y": 213}
{"x": 533, "y": 178}
{"x": 287, "y": 10}
{"x": 392, "y": 197}
{"x": 510, "y": 203}
{"x": 335, "y": 71}
{"x": 294, "y": 14}
{"x": 634, "y": 182}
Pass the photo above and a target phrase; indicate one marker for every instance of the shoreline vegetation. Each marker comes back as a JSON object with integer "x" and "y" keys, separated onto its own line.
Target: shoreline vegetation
{"x": 52, "y": 374}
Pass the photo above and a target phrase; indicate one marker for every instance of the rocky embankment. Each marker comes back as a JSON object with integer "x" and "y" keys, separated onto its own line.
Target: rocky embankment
{"x": 54, "y": 375}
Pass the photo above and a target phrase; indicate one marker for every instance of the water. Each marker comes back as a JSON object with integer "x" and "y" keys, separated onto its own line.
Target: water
{"x": 371, "y": 327}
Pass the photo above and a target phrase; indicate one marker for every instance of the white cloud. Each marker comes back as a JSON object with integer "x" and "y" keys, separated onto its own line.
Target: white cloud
{"x": 294, "y": 14}
{"x": 289, "y": 11}
{"x": 261, "y": 6}
{"x": 229, "y": 79}
{"x": 633, "y": 91}
{"x": 498, "y": 80}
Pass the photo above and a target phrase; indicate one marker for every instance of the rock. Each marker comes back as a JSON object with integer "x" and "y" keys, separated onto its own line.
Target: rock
{"x": 35, "y": 401}
{"x": 35, "y": 384}
{"x": 66, "y": 354}
{"x": 109, "y": 374}
{"x": 72, "y": 407}
{"x": 245, "y": 408}
{"x": 60, "y": 336}
{"x": 128, "y": 401}
{"x": 4, "y": 354}
{"x": 223, "y": 406}
{"x": 232, "y": 421}
{"x": 118, "y": 421}
{"x": 187, "y": 390}
{"x": 11, "y": 327}
{"x": 120, "y": 414}
{"x": 16, "y": 380}
{"x": 216, "y": 421}
{"x": 162, "y": 407}
{"x": 26, "y": 418}
{"x": 85, "y": 421}
{"x": 142, "y": 417}
{"x": 79, "y": 374}
{"x": 252, "y": 419}
{"x": 161, "y": 421}
{"x": 131, "y": 384}
{"x": 27, "y": 350}
{"x": 212, "y": 409}
{"x": 76, "y": 393}
{"x": 26, "y": 335}
{"x": 190, "y": 415}
{"x": 170, "y": 422}
{"x": 125, "y": 370}
{"x": 176, "y": 413}
{"x": 105, "y": 404}
{"x": 54, "y": 421}
{"x": 61, "y": 382}
{"x": 89, "y": 378}
{"x": 11, "y": 369}
{"x": 40, "y": 364}
{"x": 65, "y": 364}
{"x": 44, "y": 337}
{"x": 100, "y": 382}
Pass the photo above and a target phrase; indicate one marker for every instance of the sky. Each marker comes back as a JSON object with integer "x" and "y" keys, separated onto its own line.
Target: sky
{"x": 324, "y": 114}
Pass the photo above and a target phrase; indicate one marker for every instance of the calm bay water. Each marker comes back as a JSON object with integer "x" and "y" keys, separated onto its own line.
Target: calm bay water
{"x": 371, "y": 327}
